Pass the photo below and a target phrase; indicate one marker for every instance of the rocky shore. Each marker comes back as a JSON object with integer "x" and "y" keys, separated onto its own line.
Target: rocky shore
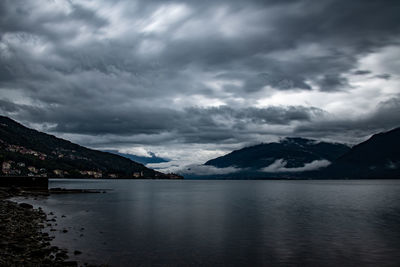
{"x": 22, "y": 241}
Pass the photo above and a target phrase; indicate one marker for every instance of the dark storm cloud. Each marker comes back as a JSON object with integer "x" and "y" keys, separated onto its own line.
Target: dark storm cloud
{"x": 6, "y": 106}
{"x": 362, "y": 72}
{"x": 22, "y": 16}
{"x": 383, "y": 76}
{"x": 153, "y": 67}
{"x": 333, "y": 82}
{"x": 344, "y": 29}
{"x": 191, "y": 125}
{"x": 276, "y": 80}
{"x": 385, "y": 117}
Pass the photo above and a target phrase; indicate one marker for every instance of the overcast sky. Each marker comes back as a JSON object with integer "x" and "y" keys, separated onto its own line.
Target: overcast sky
{"x": 192, "y": 80}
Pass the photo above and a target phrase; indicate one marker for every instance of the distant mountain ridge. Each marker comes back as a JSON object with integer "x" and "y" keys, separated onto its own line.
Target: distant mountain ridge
{"x": 294, "y": 151}
{"x": 27, "y": 152}
{"x": 377, "y": 157}
{"x": 299, "y": 158}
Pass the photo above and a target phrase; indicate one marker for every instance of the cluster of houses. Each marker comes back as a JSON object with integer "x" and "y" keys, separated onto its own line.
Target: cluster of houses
{"x": 99, "y": 174}
{"x": 94, "y": 174}
{"x": 11, "y": 168}
{"x": 17, "y": 168}
{"x": 25, "y": 151}
{"x": 43, "y": 156}
{"x": 63, "y": 153}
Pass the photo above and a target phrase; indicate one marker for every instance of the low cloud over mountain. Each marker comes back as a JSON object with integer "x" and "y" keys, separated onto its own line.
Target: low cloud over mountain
{"x": 280, "y": 166}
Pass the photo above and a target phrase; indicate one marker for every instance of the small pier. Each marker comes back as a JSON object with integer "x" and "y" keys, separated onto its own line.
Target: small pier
{"x": 34, "y": 183}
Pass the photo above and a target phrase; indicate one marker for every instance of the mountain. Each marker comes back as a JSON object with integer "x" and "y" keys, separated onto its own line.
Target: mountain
{"x": 27, "y": 152}
{"x": 298, "y": 158}
{"x": 141, "y": 159}
{"x": 295, "y": 152}
{"x": 378, "y": 157}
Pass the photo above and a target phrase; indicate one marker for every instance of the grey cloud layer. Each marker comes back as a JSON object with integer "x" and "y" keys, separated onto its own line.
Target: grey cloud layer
{"x": 384, "y": 117}
{"x": 197, "y": 125}
{"x": 128, "y": 68}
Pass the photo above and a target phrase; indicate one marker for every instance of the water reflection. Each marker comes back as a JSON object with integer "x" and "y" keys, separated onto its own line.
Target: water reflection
{"x": 233, "y": 223}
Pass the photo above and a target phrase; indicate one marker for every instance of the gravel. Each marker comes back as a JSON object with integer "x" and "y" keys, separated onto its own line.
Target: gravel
{"x": 22, "y": 242}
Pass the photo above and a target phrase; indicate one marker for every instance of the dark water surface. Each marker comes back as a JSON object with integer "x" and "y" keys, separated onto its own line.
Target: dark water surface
{"x": 241, "y": 223}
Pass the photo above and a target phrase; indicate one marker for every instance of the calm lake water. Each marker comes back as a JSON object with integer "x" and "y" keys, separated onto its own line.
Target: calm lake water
{"x": 239, "y": 223}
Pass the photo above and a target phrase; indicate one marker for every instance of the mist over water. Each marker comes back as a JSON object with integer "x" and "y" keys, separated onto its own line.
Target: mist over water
{"x": 253, "y": 223}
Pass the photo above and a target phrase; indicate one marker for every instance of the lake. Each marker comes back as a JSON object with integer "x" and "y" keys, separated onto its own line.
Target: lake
{"x": 231, "y": 223}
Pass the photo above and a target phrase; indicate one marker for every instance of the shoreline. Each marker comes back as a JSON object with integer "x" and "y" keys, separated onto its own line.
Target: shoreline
{"x": 23, "y": 241}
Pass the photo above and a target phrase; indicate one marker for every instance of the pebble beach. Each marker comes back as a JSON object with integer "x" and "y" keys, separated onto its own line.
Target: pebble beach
{"x": 23, "y": 241}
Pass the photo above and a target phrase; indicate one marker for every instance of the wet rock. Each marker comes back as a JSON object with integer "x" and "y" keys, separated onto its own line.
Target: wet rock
{"x": 26, "y": 206}
{"x": 61, "y": 255}
{"x": 69, "y": 263}
{"x": 22, "y": 242}
{"x": 38, "y": 253}
{"x": 48, "y": 262}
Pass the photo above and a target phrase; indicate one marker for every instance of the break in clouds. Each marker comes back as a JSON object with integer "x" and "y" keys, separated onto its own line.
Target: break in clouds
{"x": 191, "y": 80}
